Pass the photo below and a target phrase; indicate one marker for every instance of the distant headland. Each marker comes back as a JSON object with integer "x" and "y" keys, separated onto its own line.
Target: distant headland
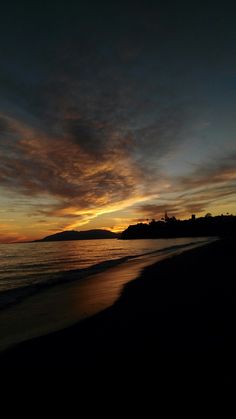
{"x": 79, "y": 235}
{"x": 222, "y": 225}
{"x": 167, "y": 227}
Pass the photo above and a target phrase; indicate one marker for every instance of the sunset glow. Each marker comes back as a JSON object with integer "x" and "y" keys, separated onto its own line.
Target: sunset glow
{"x": 117, "y": 116}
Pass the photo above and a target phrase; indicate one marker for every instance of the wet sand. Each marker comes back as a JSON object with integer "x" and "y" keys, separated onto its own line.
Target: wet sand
{"x": 178, "y": 317}
{"x": 66, "y": 304}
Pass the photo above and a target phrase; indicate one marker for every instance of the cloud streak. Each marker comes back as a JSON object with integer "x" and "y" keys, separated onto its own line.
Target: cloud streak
{"x": 92, "y": 116}
{"x": 206, "y": 188}
{"x": 90, "y": 168}
{"x": 64, "y": 168}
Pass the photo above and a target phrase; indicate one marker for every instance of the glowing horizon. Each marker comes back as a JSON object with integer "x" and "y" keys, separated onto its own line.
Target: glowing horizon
{"x": 115, "y": 117}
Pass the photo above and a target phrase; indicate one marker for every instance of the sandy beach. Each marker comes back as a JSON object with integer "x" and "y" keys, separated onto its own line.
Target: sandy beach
{"x": 178, "y": 314}
{"x": 74, "y": 298}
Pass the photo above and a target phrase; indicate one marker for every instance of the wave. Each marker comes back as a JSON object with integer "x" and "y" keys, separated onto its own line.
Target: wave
{"x": 13, "y": 296}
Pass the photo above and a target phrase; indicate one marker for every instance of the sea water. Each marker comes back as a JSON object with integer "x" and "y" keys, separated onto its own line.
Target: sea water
{"x": 26, "y": 267}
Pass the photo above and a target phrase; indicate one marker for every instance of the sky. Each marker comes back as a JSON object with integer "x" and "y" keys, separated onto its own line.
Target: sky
{"x": 112, "y": 113}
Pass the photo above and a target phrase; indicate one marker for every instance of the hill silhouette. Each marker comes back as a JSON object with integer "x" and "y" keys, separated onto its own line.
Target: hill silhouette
{"x": 79, "y": 235}
{"x": 223, "y": 225}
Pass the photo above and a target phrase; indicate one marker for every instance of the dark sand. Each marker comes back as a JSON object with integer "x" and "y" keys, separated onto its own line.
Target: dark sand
{"x": 178, "y": 317}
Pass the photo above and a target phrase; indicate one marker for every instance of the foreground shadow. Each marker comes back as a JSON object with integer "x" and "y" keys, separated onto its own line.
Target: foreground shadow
{"x": 178, "y": 316}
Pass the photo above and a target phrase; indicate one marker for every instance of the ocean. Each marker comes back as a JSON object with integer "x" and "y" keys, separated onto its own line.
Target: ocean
{"x": 25, "y": 268}
{"x": 90, "y": 277}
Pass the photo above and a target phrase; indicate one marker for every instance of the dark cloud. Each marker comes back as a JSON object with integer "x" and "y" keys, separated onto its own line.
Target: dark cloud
{"x": 157, "y": 211}
{"x": 87, "y": 142}
{"x": 215, "y": 171}
{"x": 94, "y": 96}
{"x": 8, "y": 131}
{"x": 4, "y": 126}
{"x": 204, "y": 188}
{"x": 65, "y": 170}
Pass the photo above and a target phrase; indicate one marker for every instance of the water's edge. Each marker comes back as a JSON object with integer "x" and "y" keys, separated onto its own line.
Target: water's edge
{"x": 16, "y": 295}
{"x": 59, "y": 307}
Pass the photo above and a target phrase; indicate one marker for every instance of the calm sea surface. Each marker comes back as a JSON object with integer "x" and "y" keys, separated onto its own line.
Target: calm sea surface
{"x": 87, "y": 286}
{"x": 30, "y": 264}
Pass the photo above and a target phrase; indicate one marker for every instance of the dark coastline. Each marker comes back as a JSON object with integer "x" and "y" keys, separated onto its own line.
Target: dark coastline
{"x": 178, "y": 315}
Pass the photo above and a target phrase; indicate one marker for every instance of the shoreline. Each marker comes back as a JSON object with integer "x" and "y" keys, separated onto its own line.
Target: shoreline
{"x": 15, "y": 295}
{"x": 175, "y": 321}
{"x": 65, "y": 304}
